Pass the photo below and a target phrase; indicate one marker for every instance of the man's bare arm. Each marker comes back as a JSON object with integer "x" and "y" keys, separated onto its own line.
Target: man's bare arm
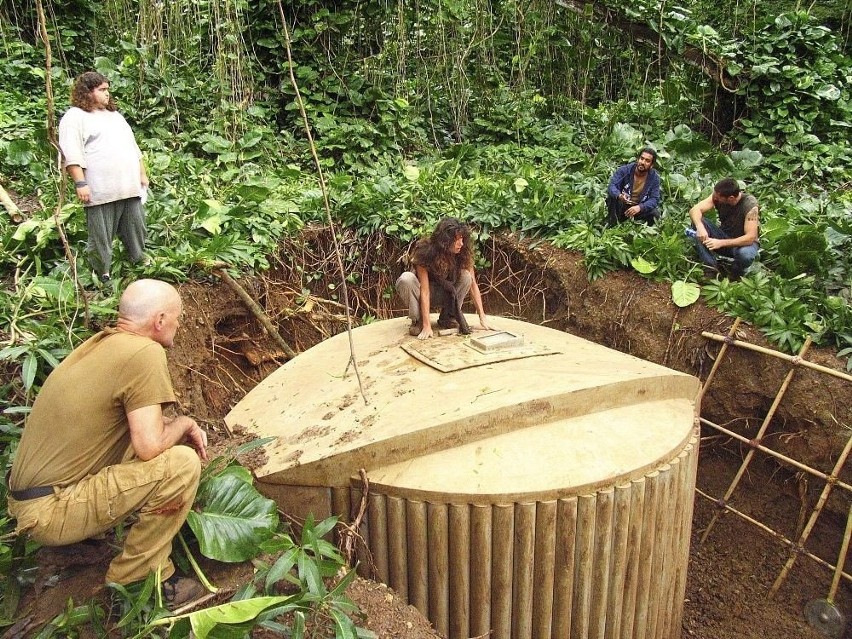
{"x": 151, "y": 433}
{"x": 143, "y": 175}
{"x": 476, "y": 296}
{"x": 749, "y": 236}
{"x": 696, "y": 213}
{"x": 76, "y": 173}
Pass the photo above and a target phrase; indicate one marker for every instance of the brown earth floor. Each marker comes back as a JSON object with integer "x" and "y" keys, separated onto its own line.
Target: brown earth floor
{"x": 222, "y": 352}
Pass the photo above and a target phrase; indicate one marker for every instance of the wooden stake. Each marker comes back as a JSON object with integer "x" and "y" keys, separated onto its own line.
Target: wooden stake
{"x": 11, "y": 208}
{"x": 826, "y": 491}
{"x": 256, "y": 311}
{"x": 759, "y": 437}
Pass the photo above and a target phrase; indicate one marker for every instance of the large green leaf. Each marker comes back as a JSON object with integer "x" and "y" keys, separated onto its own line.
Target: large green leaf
{"x": 803, "y": 249}
{"x": 236, "y": 612}
{"x": 642, "y": 265}
{"x": 685, "y": 293}
{"x": 774, "y": 229}
{"x": 747, "y": 158}
{"x": 230, "y": 519}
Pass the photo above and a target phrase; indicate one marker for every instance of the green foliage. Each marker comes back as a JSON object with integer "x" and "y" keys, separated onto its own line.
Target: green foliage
{"x": 510, "y": 116}
{"x": 230, "y": 518}
{"x": 72, "y": 620}
{"x": 309, "y": 565}
{"x": 797, "y": 80}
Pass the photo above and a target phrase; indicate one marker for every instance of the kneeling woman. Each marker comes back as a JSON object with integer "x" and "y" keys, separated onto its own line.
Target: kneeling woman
{"x": 441, "y": 276}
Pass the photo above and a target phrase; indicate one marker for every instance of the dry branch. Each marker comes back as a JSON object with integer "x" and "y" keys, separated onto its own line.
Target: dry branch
{"x": 257, "y": 311}
{"x": 12, "y": 208}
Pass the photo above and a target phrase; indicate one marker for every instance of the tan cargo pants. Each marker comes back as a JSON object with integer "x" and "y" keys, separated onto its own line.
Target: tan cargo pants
{"x": 160, "y": 490}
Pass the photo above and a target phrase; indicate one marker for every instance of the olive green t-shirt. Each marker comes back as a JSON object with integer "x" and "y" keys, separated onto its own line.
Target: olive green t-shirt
{"x": 78, "y": 424}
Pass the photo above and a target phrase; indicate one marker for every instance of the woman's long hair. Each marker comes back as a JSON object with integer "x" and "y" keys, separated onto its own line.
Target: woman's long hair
{"x": 442, "y": 240}
{"x": 81, "y": 92}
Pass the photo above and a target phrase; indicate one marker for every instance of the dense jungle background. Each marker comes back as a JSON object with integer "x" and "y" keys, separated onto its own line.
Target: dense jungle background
{"x": 281, "y": 136}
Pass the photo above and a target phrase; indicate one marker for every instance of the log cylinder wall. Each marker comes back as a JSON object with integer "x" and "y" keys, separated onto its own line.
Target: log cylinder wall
{"x": 606, "y": 565}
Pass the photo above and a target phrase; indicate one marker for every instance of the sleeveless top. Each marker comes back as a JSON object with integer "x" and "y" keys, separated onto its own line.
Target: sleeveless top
{"x": 732, "y": 218}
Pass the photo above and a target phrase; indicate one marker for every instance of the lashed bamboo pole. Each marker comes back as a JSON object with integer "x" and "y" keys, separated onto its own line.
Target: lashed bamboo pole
{"x": 758, "y": 438}
{"x": 841, "y": 557}
{"x": 795, "y": 359}
{"x": 826, "y": 491}
{"x": 774, "y": 453}
{"x": 775, "y": 534}
{"x": 718, "y": 361}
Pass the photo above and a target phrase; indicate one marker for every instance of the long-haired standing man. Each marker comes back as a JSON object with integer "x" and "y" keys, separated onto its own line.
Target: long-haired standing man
{"x": 102, "y": 158}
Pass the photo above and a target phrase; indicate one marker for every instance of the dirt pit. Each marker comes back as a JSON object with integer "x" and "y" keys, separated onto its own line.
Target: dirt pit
{"x": 222, "y": 352}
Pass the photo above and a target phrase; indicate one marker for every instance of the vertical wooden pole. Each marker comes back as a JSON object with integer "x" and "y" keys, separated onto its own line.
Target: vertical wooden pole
{"x": 545, "y": 567}
{"x": 397, "y": 547}
{"x": 481, "y": 540}
{"x": 460, "y": 557}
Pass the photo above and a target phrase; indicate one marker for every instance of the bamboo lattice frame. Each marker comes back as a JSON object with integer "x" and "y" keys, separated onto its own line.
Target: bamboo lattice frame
{"x": 831, "y": 480}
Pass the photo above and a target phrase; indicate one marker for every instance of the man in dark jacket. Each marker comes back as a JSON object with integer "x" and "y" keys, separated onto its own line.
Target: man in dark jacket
{"x": 634, "y": 191}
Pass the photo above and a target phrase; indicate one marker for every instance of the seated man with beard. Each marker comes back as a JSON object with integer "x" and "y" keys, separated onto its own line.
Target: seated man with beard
{"x": 634, "y": 191}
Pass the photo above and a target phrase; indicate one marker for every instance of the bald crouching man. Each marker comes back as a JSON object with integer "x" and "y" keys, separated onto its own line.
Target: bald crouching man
{"x": 97, "y": 446}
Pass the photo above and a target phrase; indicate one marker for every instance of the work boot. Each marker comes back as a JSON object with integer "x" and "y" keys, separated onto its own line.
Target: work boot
{"x": 711, "y": 272}
{"x": 178, "y": 591}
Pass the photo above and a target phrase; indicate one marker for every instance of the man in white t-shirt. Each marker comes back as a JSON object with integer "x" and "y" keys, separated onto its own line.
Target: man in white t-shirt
{"x": 102, "y": 158}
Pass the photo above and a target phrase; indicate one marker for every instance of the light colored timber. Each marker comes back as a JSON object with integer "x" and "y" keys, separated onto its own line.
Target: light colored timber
{"x": 459, "y": 574}
{"x": 536, "y": 498}
{"x": 794, "y": 359}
